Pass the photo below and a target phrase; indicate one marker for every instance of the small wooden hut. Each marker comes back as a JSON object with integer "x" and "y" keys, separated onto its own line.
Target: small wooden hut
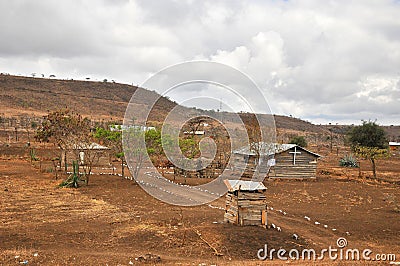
{"x": 285, "y": 161}
{"x": 245, "y": 203}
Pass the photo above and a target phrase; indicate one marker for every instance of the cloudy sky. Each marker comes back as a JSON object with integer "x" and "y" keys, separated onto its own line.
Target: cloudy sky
{"x": 323, "y": 61}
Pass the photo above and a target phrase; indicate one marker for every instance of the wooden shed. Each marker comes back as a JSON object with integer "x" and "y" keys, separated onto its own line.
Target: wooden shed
{"x": 288, "y": 161}
{"x": 245, "y": 203}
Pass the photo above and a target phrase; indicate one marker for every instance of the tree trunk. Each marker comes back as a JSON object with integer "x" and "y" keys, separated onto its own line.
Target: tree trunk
{"x": 373, "y": 167}
{"x": 65, "y": 162}
{"x": 55, "y": 162}
{"x": 87, "y": 178}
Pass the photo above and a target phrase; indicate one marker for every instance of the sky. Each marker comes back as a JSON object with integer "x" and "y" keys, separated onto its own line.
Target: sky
{"x": 322, "y": 61}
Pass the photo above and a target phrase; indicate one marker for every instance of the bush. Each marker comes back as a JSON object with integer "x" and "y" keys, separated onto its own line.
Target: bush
{"x": 348, "y": 161}
{"x": 74, "y": 179}
{"x": 299, "y": 140}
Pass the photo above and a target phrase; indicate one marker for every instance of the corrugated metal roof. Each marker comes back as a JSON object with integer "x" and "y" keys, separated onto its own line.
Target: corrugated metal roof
{"x": 264, "y": 148}
{"x": 235, "y": 185}
{"x": 392, "y": 143}
{"x": 267, "y": 149}
{"x": 91, "y": 146}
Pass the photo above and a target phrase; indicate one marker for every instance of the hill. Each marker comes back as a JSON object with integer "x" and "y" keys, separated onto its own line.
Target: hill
{"x": 108, "y": 100}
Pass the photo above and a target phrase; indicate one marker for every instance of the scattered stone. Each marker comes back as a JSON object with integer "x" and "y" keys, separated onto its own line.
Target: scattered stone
{"x": 149, "y": 258}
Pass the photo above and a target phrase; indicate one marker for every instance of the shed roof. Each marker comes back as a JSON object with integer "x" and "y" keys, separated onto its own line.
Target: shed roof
{"x": 87, "y": 146}
{"x": 392, "y": 143}
{"x": 270, "y": 149}
{"x": 235, "y": 185}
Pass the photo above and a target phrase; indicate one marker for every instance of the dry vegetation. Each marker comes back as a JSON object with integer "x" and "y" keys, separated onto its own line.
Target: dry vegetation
{"x": 113, "y": 221}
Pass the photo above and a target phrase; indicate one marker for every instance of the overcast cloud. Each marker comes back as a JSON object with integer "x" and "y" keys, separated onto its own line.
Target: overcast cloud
{"x": 325, "y": 61}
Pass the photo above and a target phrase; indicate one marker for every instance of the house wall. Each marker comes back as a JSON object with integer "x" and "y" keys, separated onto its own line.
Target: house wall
{"x": 394, "y": 148}
{"x": 245, "y": 208}
{"x": 104, "y": 157}
{"x": 305, "y": 167}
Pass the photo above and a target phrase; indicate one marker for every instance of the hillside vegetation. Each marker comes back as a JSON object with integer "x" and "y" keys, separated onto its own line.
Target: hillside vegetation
{"x": 108, "y": 100}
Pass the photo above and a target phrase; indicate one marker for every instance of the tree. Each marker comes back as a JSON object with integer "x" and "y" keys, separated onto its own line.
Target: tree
{"x": 369, "y": 134}
{"x": 299, "y": 140}
{"x": 84, "y": 146}
{"x": 254, "y": 133}
{"x": 372, "y": 154}
{"x": 135, "y": 148}
{"x": 156, "y": 143}
{"x": 64, "y": 129}
{"x": 369, "y": 142}
{"x": 112, "y": 139}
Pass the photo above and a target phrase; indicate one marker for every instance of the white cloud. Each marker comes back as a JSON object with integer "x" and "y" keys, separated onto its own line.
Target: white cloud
{"x": 320, "y": 60}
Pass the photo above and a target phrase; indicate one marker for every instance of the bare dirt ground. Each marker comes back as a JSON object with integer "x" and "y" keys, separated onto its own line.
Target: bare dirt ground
{"x": 113, "y": 221}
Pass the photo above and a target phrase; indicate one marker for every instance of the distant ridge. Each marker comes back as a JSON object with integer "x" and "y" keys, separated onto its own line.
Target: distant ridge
{"x": 106, "y": 100}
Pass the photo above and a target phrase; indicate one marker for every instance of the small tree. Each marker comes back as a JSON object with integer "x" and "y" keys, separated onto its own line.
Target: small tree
{"x": 135, "y": 148}
{"x": 112, "y": 139}
{"x": 299, "y": 140}
{"x": 64, "y": 129}
{"x": 369, "y": 142}
{"x": 156, "y": 143}
{"x": 372, "y": 154}
{"x": 84, "y": 144}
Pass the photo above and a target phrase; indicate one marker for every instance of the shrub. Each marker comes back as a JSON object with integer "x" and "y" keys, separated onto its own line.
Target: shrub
{"x": 348, "y": 161}
{"x": 32, "y": 155}
{"x": 74, "y": 179}
{"x": 299, "y": 140}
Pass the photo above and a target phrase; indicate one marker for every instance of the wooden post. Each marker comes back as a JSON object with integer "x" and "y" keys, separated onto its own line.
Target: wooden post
{"x": 264, "y": 218}
{"x": 238, "y": 210}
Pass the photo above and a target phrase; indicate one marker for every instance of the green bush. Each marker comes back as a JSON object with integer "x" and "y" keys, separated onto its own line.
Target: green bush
{"x": 299, "y": 140}
{"x": 348, "y": 161}
{"x": 74, "y": 179}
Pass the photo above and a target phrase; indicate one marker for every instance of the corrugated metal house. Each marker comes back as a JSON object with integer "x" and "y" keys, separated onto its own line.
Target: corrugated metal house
{"x": 245, "y": 203}
{"x": 279, "y": 160}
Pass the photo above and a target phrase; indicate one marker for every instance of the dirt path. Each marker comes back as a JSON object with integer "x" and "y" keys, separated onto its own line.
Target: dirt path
{"x": 114, "y": 221}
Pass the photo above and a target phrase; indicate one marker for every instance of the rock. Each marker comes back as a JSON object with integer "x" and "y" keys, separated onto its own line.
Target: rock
{"x": 149, "y": 258}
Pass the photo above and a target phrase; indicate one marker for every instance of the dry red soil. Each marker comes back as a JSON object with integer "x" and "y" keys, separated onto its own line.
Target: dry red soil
{"x": 113, "y": 221}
